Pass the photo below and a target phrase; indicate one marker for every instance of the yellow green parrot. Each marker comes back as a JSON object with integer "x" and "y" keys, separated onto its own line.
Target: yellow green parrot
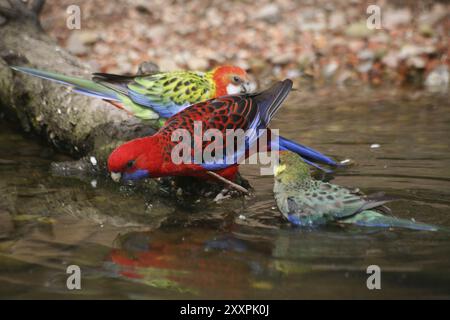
{"x": 155, "y": 95}
{"x": 307, "y": 202}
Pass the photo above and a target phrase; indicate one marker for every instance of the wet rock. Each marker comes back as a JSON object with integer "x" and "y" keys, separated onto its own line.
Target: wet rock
{"x": 269, "y": 13}
{"x": 221, "y": 196}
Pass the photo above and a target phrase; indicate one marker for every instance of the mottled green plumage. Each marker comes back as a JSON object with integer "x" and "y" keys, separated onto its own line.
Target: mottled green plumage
{"x": 150, "y": 96}
{"x": 179, "y": 87}
{"x": 308, "y": 202}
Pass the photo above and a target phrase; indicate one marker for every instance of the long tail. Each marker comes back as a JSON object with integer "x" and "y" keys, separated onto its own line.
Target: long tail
{"x": 83, "y": 86}
{"x": 372, "y": 218}
{"x": 310, "y": 156}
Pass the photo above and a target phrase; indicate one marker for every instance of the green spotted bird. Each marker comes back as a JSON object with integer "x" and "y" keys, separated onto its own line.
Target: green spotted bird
{"x": 156, "y": 95}
{"x": 308, "y": 202}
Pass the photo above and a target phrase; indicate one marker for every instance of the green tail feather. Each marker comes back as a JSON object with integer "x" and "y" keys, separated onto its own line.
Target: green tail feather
{"x": 93, "y": 89}
{"x": 371, "y": 218}
{"x": 85, "y": 86}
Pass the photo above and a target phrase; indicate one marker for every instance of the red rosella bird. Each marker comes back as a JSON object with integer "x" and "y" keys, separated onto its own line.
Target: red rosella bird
{"x": 152, "y": 156}
{"x": 163, "y": 94}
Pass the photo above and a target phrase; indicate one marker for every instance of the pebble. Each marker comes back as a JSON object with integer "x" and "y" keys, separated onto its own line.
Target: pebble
{"x": 93, "y": 160}
{"x": 283, "y": 33}
{"x": 269, "y": 13}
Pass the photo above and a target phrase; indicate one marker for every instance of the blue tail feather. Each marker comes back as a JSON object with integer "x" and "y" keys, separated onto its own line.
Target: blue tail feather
{"x": 309, "y": 155}
{"x": 315, "y": 165}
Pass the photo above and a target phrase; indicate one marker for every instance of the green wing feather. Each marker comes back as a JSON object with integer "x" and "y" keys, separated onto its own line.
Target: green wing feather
{"x": 320, "y": 202}
{"x": 179, "y": 88}
{"x": 373, "y": 218}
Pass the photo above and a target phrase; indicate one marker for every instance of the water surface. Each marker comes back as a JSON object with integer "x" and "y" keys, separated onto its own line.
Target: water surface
{"x": 133, "y": 245}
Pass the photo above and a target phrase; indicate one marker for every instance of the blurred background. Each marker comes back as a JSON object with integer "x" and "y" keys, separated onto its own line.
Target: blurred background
{"x": 134, "y": 243}
{"x": 312, "y": 42}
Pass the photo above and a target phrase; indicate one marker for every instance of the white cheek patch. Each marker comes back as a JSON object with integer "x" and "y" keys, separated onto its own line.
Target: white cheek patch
{"x": 233, "y": 89}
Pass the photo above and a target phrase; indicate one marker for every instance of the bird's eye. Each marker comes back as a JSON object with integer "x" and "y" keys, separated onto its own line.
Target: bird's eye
{"x": 129, "y": 164}
{"x": 237, "y": 80}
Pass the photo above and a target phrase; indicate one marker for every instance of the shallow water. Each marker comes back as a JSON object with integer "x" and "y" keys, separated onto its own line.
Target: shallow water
{"x": 131, "y": 245}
